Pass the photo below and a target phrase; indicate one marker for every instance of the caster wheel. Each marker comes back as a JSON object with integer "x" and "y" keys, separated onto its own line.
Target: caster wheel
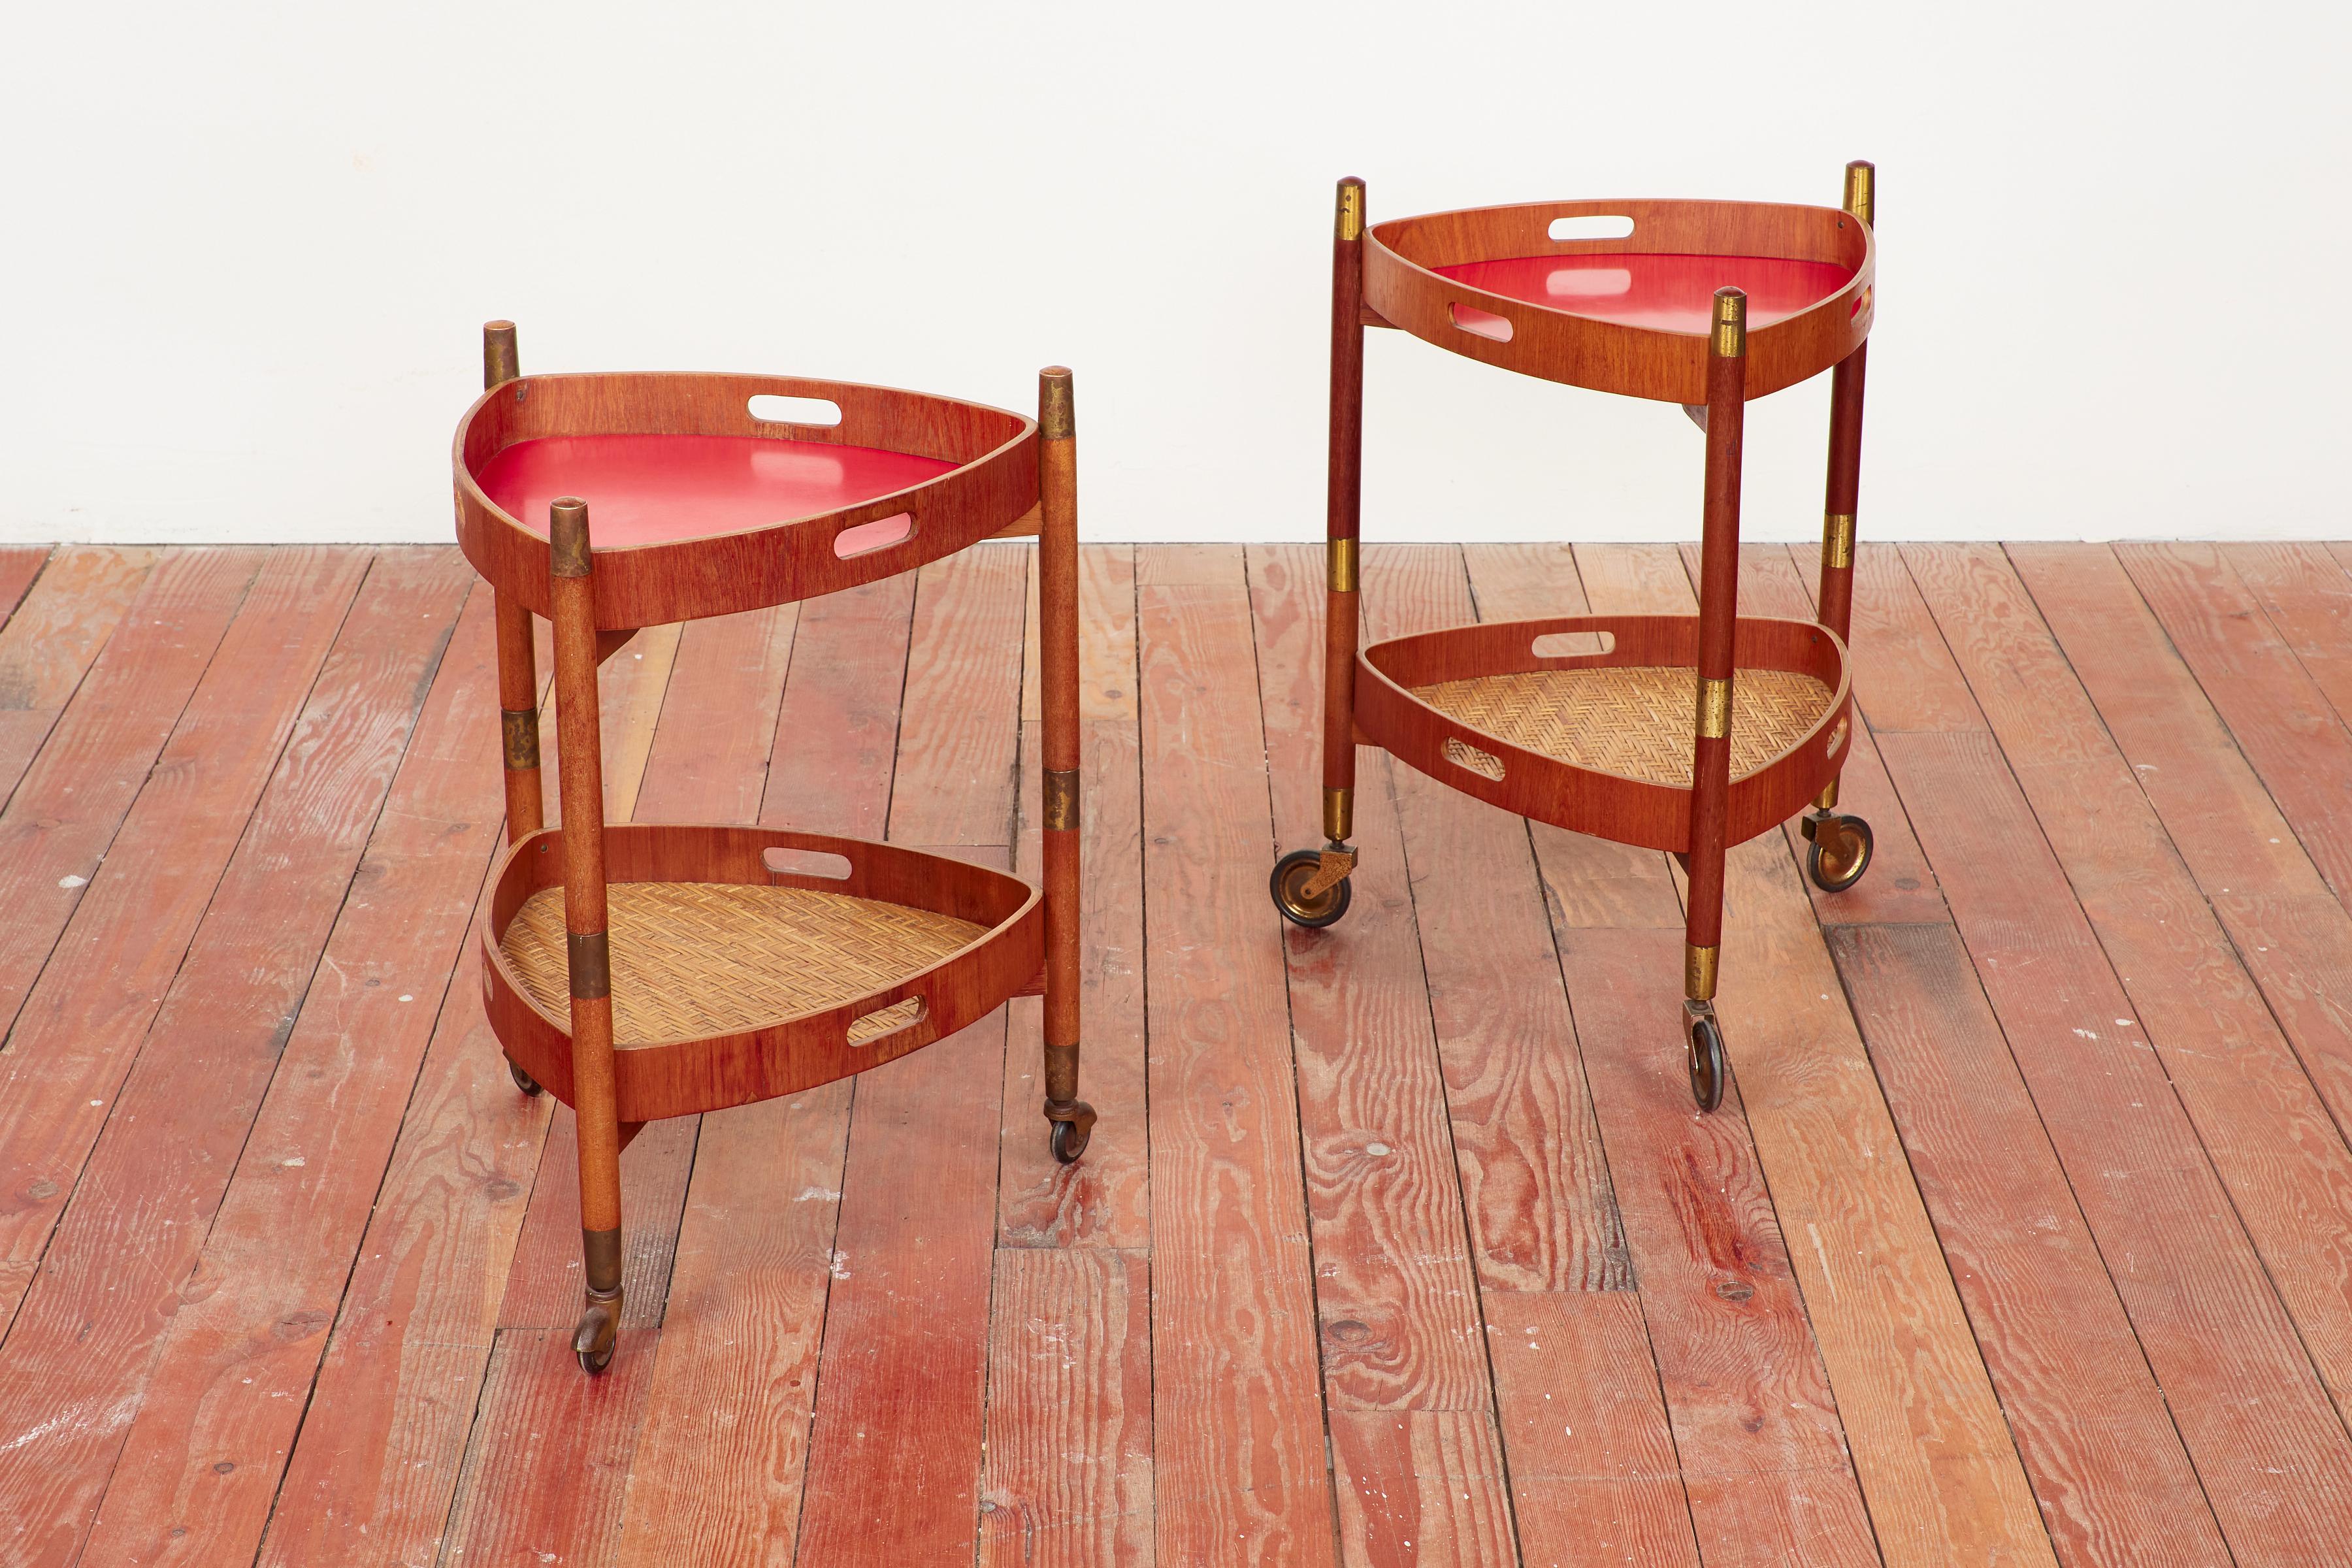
{"x": 523, "y": 1081}
{"x": 1070, "y": 1137}
{"x": 599, "y": 1331}
{"x": 1840, "y": 852}
{"x": 1710, "y": 1069}
{"x": 1291, "y": 875}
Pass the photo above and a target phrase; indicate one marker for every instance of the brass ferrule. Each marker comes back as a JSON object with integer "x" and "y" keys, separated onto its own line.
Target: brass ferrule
{"x": 1058, "y": 413}
{"x": 1828, "y": 799}
{"x": 1061, "y": 800}
{"x": 518, "y": 736}
{"x": 1714, "y": 708}
{"x": 567, "y": 538}
{"x": 1352, "y": 210}
{"x": 590, "y": 953}
{"x": 1698, "y": 972}
{"x": 1061, "y": 1077}
{"x": 600, "y": 1252}
{"x": 1339, "y": 814}
{"x": 1861, "y": 190}
{"x": 1730, "y": 324}
{"x": 1837, "y": 540}
{"x": 501, "y": 363}
{"x": 1341, "y": 555}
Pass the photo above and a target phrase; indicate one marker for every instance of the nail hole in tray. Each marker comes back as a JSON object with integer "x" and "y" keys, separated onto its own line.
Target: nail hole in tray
{"x": 783, "y": 861}
{"x": 1573, "y": 645}
{"x": 864, "y": 537}
{"x": 770, "y": 409}
{"x": 1591, "y": 226}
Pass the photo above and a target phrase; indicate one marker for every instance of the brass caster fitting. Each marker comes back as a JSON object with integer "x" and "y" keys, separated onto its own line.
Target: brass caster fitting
{"x": 1074, "y": 1125}
{"x": 1841, "y": 851}
{"x": 599, "y": 1330}
{"x": 1311, "y": 886}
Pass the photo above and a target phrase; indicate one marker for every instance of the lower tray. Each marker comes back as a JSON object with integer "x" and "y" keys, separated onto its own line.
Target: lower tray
{"x": 1586, "y": 721}
{"x": 740, "y": 970}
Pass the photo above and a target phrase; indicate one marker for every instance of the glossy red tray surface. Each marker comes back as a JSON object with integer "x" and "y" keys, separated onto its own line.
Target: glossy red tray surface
{"x": 644, "y": 489}
{"x": 1662, "y": 292}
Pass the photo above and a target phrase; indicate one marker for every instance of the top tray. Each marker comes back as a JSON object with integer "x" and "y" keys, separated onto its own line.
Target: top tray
{"x": 696, "y": 507}
{"x": 1627, "y": 311}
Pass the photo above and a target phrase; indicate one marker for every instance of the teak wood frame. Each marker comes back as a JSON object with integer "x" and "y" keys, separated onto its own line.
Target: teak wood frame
{"x": 1366, "y": 692}
{"x": 1013, "y": 478}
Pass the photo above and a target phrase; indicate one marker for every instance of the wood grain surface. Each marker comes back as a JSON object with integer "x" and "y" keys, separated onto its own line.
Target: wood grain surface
{"x": 1240, "y": 1460}
{"x": 256, "y": 1312}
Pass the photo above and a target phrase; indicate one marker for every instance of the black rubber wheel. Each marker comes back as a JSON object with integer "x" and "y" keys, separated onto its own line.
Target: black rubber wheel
{"x": 523, "y": 1081}
{"x": 594, "y": 1361}
{"x": 1070, "y": 1141}
{"x": 1842, "y": 864}
{"x": 1710, "y": 1069}
{"x": 1293, "y": 873}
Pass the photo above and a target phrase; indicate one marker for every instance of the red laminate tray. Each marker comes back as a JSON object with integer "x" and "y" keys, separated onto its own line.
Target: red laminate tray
{"x": 647, "y": 489}
{"x": 1663, "y": 293}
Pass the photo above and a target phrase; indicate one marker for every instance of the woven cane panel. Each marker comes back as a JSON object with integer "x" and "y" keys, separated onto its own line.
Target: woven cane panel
{"x": 1635, "y": 721}
{"x": 691, "y": 959}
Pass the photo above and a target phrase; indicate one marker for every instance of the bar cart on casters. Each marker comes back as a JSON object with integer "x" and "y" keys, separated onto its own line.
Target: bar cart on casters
{"x": 1681, "y": 733}
{"x": 641, "y": 971}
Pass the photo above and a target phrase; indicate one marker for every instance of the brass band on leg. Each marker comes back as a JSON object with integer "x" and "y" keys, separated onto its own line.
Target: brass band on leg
{"x": 1343, "y": 557}
{"x": 1339, "y": 814}
{"x": 1061, "y": 1077}
{"x": 1714, "y": 708}
{"x": 600, "y": 1252}
{"x": 518, "y": 736}
{"x": 1837, "y": 540}
{"x": 590, "y": 955}
{"x": 1829, "y": 797}
{"x": 1061, "y": 799}
{"x": 1698, "y": 972}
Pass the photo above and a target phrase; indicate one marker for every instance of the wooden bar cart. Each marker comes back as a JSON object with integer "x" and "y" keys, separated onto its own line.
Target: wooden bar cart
{"x": 1675, "y": 732}
{"x": 642, "y": 971}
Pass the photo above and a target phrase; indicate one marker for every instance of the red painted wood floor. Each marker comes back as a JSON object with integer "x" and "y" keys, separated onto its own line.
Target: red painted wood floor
{"x": 2026, "y": 1237}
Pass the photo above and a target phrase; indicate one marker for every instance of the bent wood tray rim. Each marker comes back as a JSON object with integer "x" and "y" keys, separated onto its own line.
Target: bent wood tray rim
{"x": 513, "y": 557}
{"x": 1662, "y": 363}
{"x": 1001, "y": 963}
{"x": 1604, "y": 804}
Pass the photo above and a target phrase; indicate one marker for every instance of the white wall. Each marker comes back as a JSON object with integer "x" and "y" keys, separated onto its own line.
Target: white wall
{"x": 250, "y": 246}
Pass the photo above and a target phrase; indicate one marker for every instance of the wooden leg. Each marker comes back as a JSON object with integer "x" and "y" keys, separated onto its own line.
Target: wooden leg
{"x": 1842, "y": 844}
{"x": 517, "y": 671}
{"x": 1073, "y": 1119}
{"x": 1719, "y": 612}
{"x": 518, "y": 719}
{"x": 1311, "y": 886}
{"x": 579, "y": 773}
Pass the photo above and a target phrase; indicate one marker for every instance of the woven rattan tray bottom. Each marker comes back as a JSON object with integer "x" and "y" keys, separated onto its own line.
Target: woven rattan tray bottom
{"x": 693, "y": 958}
{"x": 1633, "y": 721}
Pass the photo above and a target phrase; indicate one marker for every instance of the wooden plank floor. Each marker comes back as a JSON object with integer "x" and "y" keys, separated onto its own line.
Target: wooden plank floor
{"x": 2024, "y": 1236}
